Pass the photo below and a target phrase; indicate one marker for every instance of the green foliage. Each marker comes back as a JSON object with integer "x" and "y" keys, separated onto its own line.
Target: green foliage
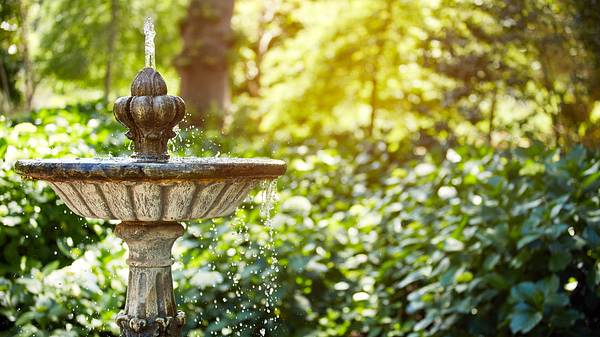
{"x": 80, "y": 299}
{"x": 37, "y": 228}
{"x": 453, "y": 242}
{"x": 515, "y": 229}
{"x": 389, "y": 68}
{"x": 382, "y": 67}
{"x": 85, "y": 36}
{"x": 472, "y": 244}
{"x": 493, "y": 51}
{"x": 588, "y": 14}
{"x": 338, "y": 75}
{"x": 10, "y": 57}
{"x": 393, "y": 218}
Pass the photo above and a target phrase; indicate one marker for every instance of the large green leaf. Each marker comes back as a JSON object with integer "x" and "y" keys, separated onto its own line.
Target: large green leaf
{"x": 524, "y": 319}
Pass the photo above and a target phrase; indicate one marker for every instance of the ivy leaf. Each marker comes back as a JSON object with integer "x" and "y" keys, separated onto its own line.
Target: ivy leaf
{"x": 560, "y": 203}
{"x": 497, "y": 281}
{"x": 25, "y": 318}
{"x": 591, "y": 236}
{"x": 590, "y": 180}
{"x": 555, "y": 231}
{"x": 415, "y": 276}
{"x": 524, "y": 319}
{"x": 3, "y": 147}
{"x": 453, "y": 245}
{"x": 527, "y": 239}
{"x": 523, "y": 208}
{"x": 559, "y": 261}
{"x": 526, "y": 292}
{"x": 491, "y": 261}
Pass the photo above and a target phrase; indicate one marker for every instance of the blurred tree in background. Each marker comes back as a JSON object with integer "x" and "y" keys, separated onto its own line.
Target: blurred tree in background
{"x": 526, "y": 51}
{"x": 203, "y": 63}
{"x": 96, "y": 44}
{"x": 11, "y": 60}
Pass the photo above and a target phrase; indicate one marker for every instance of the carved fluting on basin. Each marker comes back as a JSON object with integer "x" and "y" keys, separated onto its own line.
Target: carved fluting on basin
{"x": 154, "y": 201}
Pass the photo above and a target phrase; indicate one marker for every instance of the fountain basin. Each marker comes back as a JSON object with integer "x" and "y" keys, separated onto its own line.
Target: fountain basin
{"x": 130, "y": 190}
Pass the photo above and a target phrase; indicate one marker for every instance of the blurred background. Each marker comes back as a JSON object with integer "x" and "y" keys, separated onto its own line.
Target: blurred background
{"x": 443, "y": 172}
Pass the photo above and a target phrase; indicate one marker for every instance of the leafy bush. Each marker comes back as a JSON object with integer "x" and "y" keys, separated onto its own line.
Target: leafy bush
{"x": 37, "y": 231}
{"x": 370, "y": 242}
{"x": 37, "y": 228}
{"x": 492, "y": 244}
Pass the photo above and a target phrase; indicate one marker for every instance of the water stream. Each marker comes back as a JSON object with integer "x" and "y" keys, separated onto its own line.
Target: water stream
{"x": 149, "y": 35}
{"x": 270, "y": 196}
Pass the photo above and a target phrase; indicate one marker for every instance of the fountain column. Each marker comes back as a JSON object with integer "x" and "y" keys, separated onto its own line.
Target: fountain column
{"x": 150, "y": 308}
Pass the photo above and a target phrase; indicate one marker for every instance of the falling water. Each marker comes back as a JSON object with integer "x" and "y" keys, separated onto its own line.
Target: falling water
{"x": 269, "y": 196}
{"x": 244, "y": 253}
{"x": 149, "y": 34}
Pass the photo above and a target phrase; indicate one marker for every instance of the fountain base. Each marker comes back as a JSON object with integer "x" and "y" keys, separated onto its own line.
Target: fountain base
{"x": 159, "y": 327}
{"x": 150, "y": 308}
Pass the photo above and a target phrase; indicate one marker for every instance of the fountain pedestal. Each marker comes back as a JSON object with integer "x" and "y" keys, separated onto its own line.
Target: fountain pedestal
{"x": 150, "y": 308}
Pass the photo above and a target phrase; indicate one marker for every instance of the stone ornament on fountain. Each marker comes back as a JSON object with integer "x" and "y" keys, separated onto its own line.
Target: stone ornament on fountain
{"x": 150, "y": 114}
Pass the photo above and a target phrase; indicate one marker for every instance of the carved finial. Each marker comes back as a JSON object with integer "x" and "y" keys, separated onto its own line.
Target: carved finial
{"x": 150, "y": 114}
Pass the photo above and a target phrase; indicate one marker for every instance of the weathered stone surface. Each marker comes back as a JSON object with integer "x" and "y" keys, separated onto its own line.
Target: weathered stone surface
{"x": 150, "y": 114}
{"x": 127, "y": 169}
{"x": 158, "y": 327}
{"x": 154, "y": 200}
{"x": 150, "y": 308}
{"x": 124, "y": 189}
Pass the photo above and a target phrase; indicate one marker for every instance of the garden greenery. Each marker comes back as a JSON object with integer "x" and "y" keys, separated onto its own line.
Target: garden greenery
{"x": 366, "y": 241}
{"x": 436, "y": 185}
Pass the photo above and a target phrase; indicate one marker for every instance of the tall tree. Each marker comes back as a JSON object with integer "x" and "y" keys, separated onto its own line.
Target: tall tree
{"x": 512, "y": 49}
{"x": 203, "y": 62}
{"x": 587, "y": 24}
{"x": 11, "y": 58}
{"x": 354, "y": 73}
{"x": 28, "y": 75}
{"x": 98, "y": 44}
{"x": 260, "y": 26}
{"x": 110, "y": 47}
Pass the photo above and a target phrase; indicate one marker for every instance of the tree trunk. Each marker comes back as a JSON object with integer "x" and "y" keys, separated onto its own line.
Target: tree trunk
{"x": 263, "y": 44}
{"x": 492, "y": 114}
{"x": 386, "y": 15}
{"x": 203, "y": 62}
{"x": 29, "y": 84}
{"x": 374, "y": 104}
{"x": 112, "y": 37}
{"x": 6, "y": 102}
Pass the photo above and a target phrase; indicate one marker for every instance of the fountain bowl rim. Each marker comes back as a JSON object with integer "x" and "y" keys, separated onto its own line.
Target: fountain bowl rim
{"x": 127, "y": 169}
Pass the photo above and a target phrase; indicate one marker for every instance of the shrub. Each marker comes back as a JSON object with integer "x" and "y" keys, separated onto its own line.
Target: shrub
{"x": 365, "y": 242}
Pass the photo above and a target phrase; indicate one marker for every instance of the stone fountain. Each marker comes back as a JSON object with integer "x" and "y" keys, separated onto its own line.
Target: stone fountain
{"x": 150, "y": 193}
